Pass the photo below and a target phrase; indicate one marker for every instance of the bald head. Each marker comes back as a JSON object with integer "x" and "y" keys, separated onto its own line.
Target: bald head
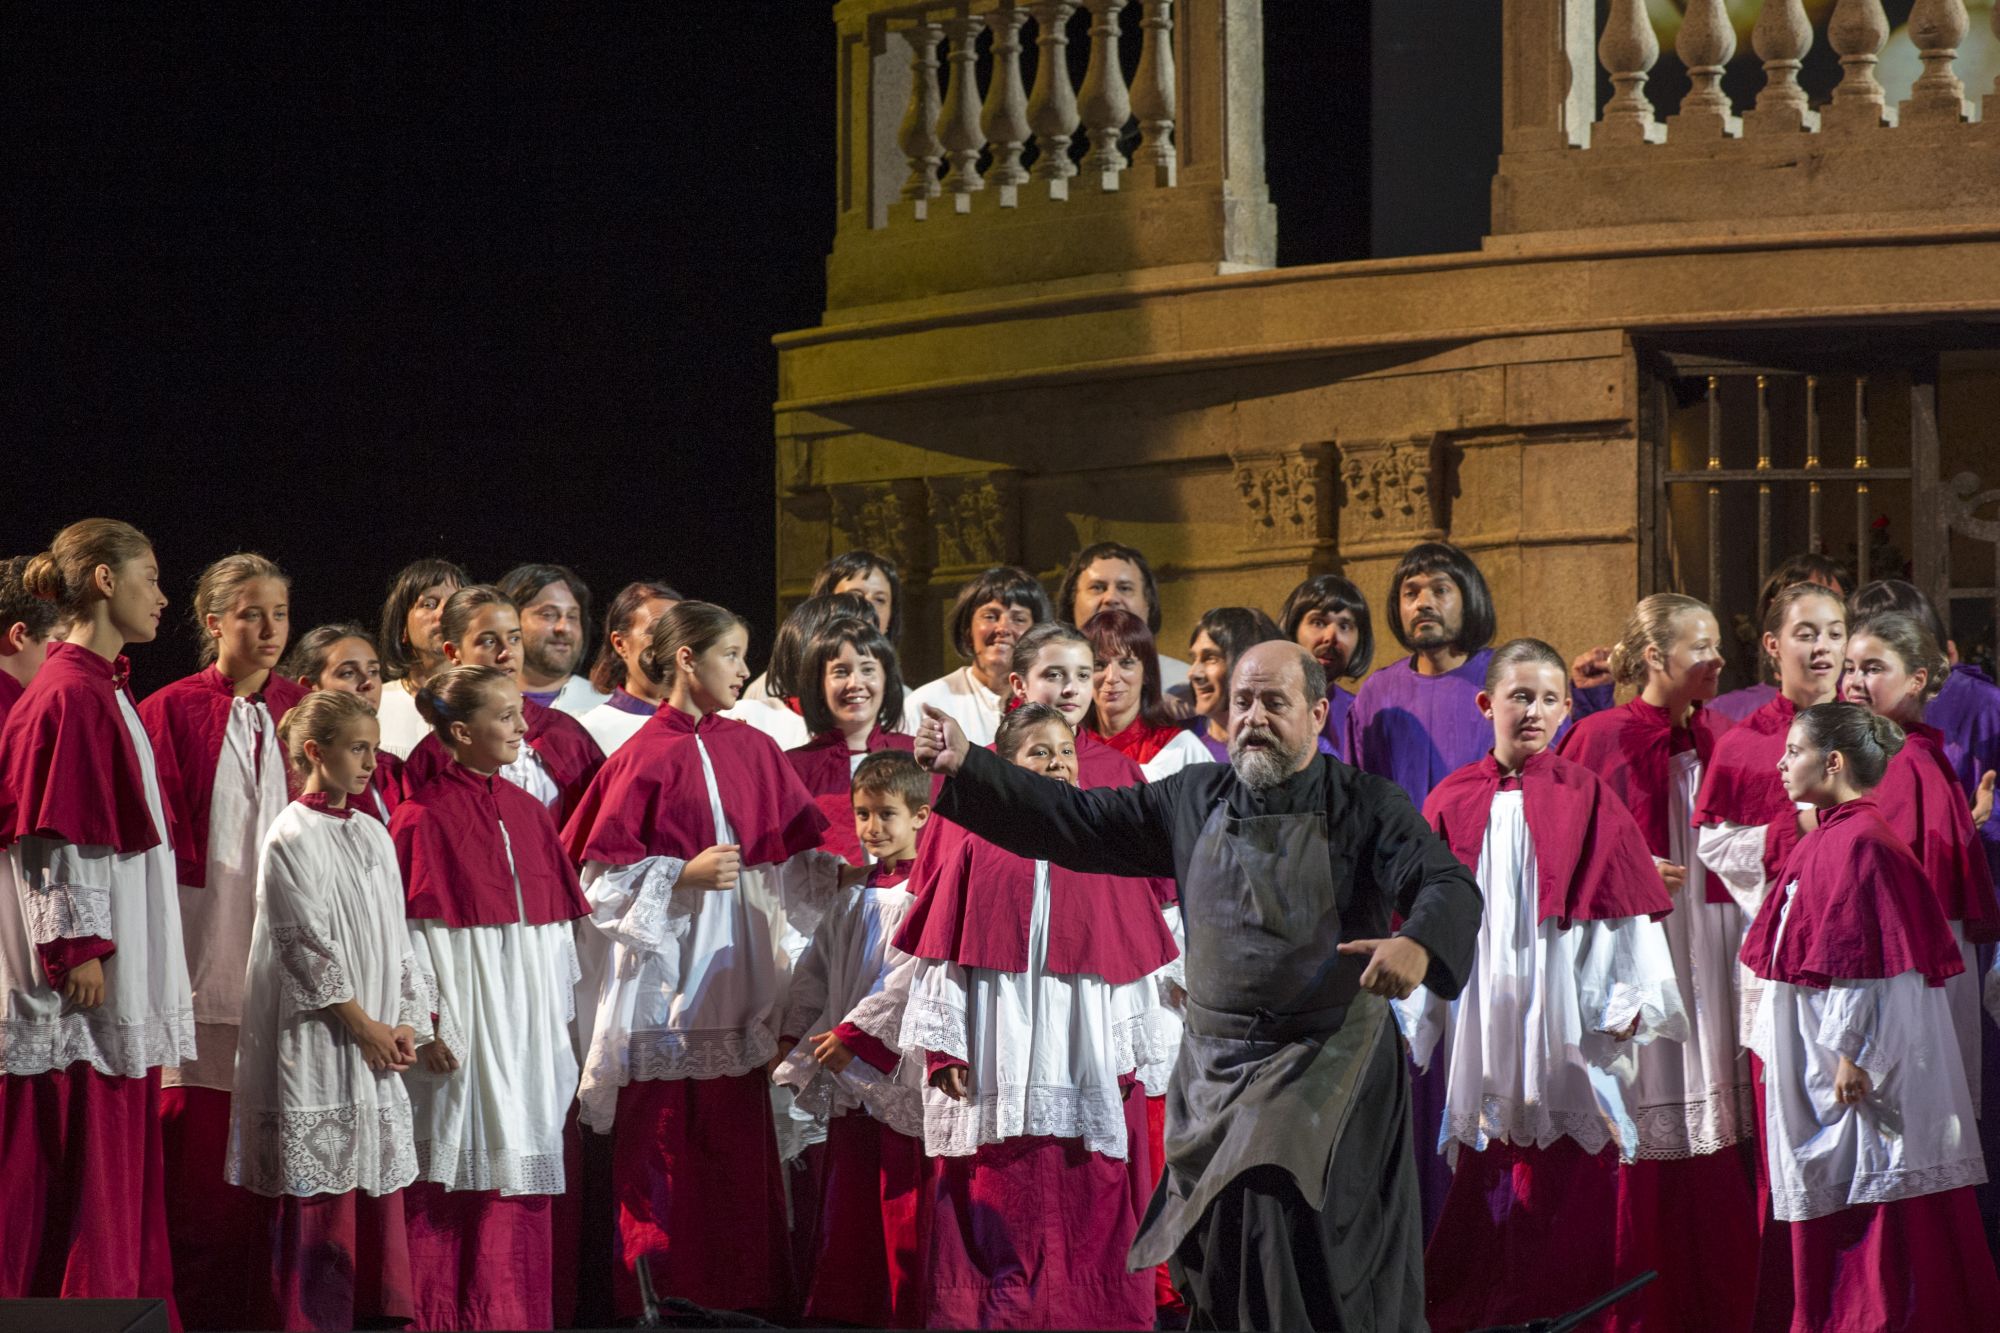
{"x": 1277, "y": 705}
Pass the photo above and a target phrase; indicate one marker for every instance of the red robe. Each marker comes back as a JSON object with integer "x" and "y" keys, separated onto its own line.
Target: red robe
{"x": 1141, "y": 740}
{"x": 1919, "y": 797}
{"x": 557, "y": 739}
{"x": 1632, "y": 747}
{"x": 1741, "y": 785}
{"x": 822, "y": 764}
{"x": 456, "y": 871}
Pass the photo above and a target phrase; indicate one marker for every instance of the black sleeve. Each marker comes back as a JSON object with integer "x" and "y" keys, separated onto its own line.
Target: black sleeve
{"x": 1438, "y": 899}
{"x": 1104, "y": 831}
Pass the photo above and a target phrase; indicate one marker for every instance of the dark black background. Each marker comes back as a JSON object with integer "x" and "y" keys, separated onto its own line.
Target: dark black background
{"x": 351, "y": 284}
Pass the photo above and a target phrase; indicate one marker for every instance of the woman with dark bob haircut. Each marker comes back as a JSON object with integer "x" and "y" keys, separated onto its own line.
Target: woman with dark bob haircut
{"x": 992, "y": 613}
{"x": 1328, "y": 617}
{"x": 872, "y": 577}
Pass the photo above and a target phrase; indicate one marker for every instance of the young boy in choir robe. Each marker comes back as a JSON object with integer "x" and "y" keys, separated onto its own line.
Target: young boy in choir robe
{"x": 1328, "y": 617}
{"x": 491, "y": 898}
{"x": 700, "y": 849}
{"x": 1687, "y": 1201}
{"x": 27, "y": 626}
{"x": 480, "y": 627}
{"x": 226, "y": 781}
{"x": 93, "y": 976}
{"x": 410, "y": 650}
{"x": 1033, "y": 1003}
{"x": 993, "y": 611}
{"x": 1867, "y": 1119}
{"x": 1572, "y": 972}
{"x": 632, "y": 696}
{"x": 840, "y": 1029}
{"x": 1895, "y": 668}
{"x": 1128, "y": 710}
{"x": 343, "y": 657}
{"x": 333, "y": 1007}
{"x": 849, "y": 683}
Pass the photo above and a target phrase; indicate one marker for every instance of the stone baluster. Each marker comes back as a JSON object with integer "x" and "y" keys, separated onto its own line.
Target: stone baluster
{"x": 1938, "y": 96}
{"x": 1004, "y": 118}
{"x": 1153, "y": 93}
{"x": 1782, "y": 37}
{"x": 918, "y": 137}
{"x": 1628, "y": 49}
{"x": 1103, "y": 100}
{"x": 1706, "y": 43}
{"x": 1052, "y": 104}
{"x": 959, "y": 132}
{"x": 1857, "y": 32}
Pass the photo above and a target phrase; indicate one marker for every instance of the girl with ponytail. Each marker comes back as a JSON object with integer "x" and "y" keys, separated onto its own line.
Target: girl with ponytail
{"x": 1867, "y": 1116}
{"x": 94, "y": 995}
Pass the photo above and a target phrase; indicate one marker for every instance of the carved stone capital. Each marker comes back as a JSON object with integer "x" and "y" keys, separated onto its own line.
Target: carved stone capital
{"x": 975, "y": 520}
{"x": 1388, "y": 493}
{"x": 886, "y": 517}
{"x": 1287, "y": 498}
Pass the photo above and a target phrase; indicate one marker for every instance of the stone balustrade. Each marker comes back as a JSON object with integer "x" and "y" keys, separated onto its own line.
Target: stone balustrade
{"x": 1571, "y": 174}
{"x": 961, "y": 170}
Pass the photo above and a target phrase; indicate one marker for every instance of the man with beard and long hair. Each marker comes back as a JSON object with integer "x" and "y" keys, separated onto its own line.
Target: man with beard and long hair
{"x": 1290, "y": 1195}
{"x": 555, "y": 625}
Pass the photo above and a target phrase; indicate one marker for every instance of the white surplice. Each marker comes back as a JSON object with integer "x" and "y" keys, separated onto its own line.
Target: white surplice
{"x": 611, "y": 726}
{"x": 962, "y": 696}
{"x": 403, "y": 727}
{"x": 60, "y": 890}
{"x": 505, "y": 997}
{"x": 1184, "y": 749}
{"x": 308, "y": 1115}
{"x": 217, "y": 919}
{"x": 1044, "y": 1051}
{"x": 695, "y": 986}
{"x": 1527, "y": 1043}
{"x": 577, "y": 696}
{"x": 1915, "y": 1132}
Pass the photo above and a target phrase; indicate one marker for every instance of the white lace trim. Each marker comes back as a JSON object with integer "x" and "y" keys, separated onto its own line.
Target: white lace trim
{"x": 659, "y": 911}
{"x": 1805, "y": 1202}
{"x": 1526, "y": 1124}
{"x": 120, "y": 1050}
{"x": 929, "y": 1024}
{"x": 310, "y": 968}
{"x": 460, "y": 1168}
{"x": 1095, "y": 1115}
{"x": 66, "y": 911}
{"x": 330, "y": 1150}
{"x": 1695, "y": 1129}
{"x": 416, "y": 998}
{"x": 885, "y": 1096}
{"x": 668, "y": 1053}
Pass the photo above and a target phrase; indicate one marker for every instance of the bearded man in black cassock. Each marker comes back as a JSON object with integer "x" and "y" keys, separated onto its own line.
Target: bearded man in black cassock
{"x": 1290, "y": 1197}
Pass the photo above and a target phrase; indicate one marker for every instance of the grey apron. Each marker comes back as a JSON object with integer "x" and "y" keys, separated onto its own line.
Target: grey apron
{"x": 1279, "y": 1034}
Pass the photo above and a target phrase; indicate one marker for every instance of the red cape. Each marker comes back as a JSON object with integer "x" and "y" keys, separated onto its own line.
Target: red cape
{"x": 1741, "y": 784}
{"x": 1591, "y": 862}
{"x": 187, "y": 721}
{"x": 1141, "y": 741}
{"x": 1861, "y": 912}
{"x": 10, "y": 694}
{"x": 68, "y": 768}
{"x": 650, "y": 799}
{"x": 558, "y": 739}
{"x": 455, "y": 867}
{"x": 1921, "y": 800}
{"x": 822, "y": 765}
{"x": 1632, "y": 748}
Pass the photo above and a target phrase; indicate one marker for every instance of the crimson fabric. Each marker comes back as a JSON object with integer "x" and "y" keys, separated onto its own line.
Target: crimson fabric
{"x": 1032, "y": 1232}
{"x": 455, "y": 868}
{"x": 385, "y": 789}
{"x": 340, "y": 1261}
{"x": 1694, "y": 1221}
{"x": 558, "y": 740}
{"x": 822, "y": 764}
{"x": 1909, "y": 1266}
{"x": 478, "y": 1260}
{"x": 1099, "y": 765}
{"x": 1165, "y": 1297}
{"x": 869, "y": 1049}
{"x": 868, "y": 1270}
{"x": 650, "y": 799}
{"x": 68, "y": 770}
{"x": 318, "y": 800}
{"x": 186, "y": 722}
{"x": 1141, "y": 740}
{"x": 974, "y": 902}
{"x": 85, "y": 1213}
{"x": 60, "y": 957}
{"x": 1591, "y": 862}
{"x": 1861, "y": 911}
{"x": 566, "y": 1226}
{"x": 1920, "y": 799}
{"x": 10, "y": 694}
{"x": 1740, "y": 785}
{"x": 701, "y": 1194}
{"x": 1632, "y": 748}
{"x": 1527, "y": 1233}
{"x": 211, "y": 1224}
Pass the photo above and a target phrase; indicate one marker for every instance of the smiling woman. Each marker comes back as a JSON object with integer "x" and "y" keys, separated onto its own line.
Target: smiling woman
{"x": 992, "y": 613}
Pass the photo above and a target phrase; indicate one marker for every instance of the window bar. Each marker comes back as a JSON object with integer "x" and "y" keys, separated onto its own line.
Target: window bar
{"x": 1763, "y": 487}
{"x": 1814, "y": 542}
{"x": 1714, "y": 492}
{"x": 1861, "y": 486}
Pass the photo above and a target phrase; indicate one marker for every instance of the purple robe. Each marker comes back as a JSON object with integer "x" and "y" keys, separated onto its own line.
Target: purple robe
{"x": 1339, "y": 703}
{"x": 1739, "y": 704}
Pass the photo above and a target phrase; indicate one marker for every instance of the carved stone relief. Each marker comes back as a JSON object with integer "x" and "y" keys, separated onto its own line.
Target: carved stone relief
{"x": 1389, "y": 490}
{"x": 1287, "y": 498}
{"x": 885, "y": 517}
{"x": 975, "y": 519}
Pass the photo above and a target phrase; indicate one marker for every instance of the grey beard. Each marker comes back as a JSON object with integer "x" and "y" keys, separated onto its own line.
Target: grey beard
{"x": 546, "y": 659}
{"x": 1263, "y": 769}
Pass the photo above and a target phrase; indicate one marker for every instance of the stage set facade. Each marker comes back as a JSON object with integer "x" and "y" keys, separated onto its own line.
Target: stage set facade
{"x": 1689, "y": 345}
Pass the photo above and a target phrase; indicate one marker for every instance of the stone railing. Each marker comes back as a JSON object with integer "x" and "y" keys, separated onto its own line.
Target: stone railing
{"x": 956, "y": 169}
{"x": 1778, "y": 164}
